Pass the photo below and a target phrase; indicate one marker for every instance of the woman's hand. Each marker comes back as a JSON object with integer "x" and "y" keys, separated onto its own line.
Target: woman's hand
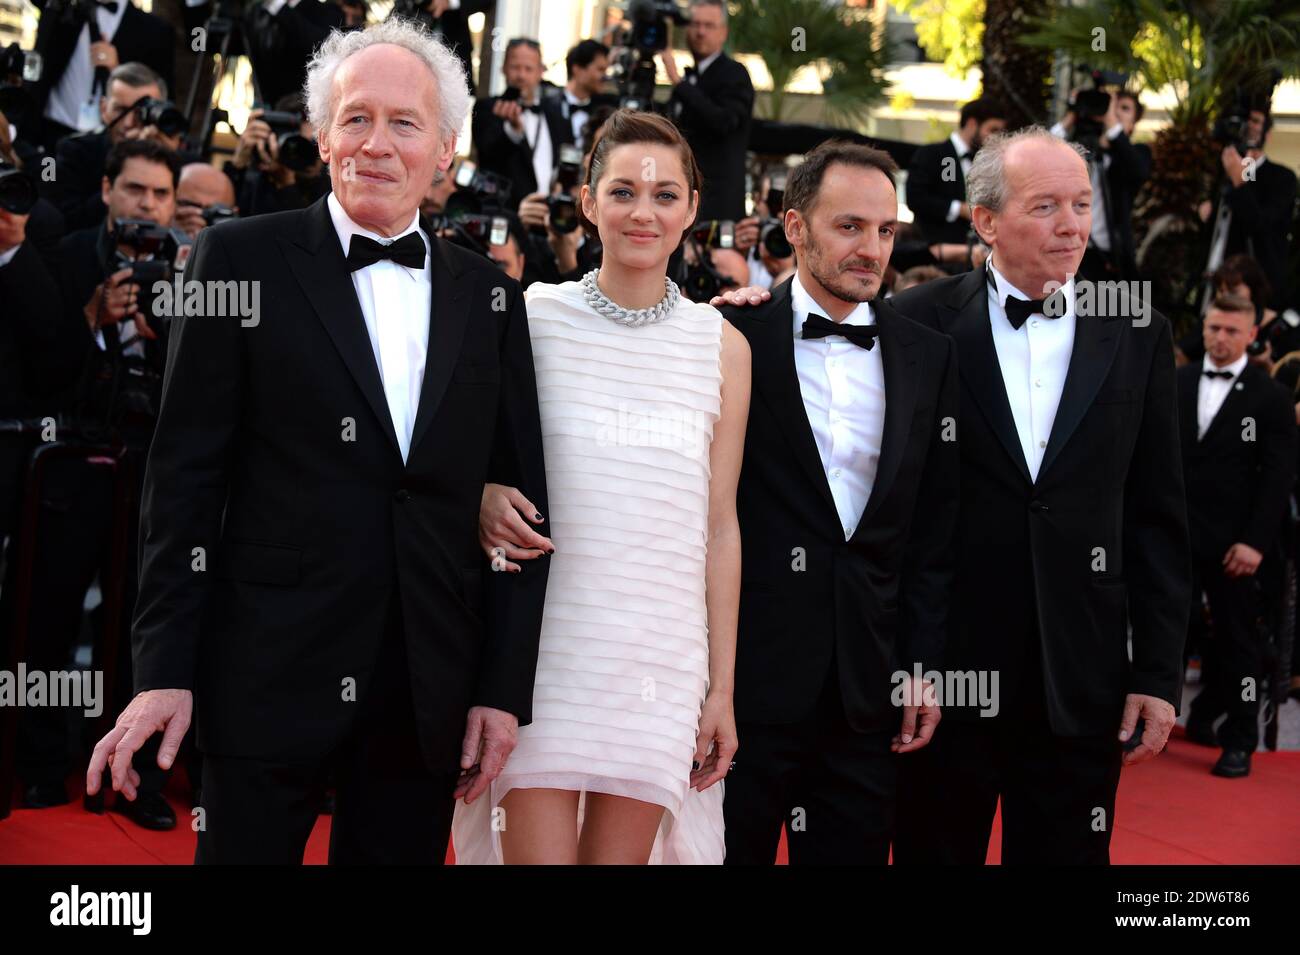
{"x": 504, "y": 533}
{"x": 716, "y": 743}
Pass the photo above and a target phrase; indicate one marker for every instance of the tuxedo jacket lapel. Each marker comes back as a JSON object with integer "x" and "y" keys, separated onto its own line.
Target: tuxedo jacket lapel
{"x": 1096, "y": 340}
{"x": 1188, "y": 420}
{"x": 318, "y": 263}
{"x": 899, "y": 356}
{"x": 965, "y": 318}
{"x": 776, "y": 377}
{"x": 1229, "y": 412}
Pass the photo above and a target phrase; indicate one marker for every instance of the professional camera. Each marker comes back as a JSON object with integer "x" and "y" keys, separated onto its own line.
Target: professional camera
{"x": 478, "y": 191}
{"x": 772, "y": 230}
{"x": 218, "y": 212}
{"x": 1090, "y": 106}
{"x": 472, "y": 230}
{"x": 161, "y": 114}
{"x": 1232, "y": 125}
{"x": 297, "y": 152}
{"x": 634, "y": 68}
{"x": 17, "y": 191}
{"x": 715, "y": 233}
{"x": 18, "y": 67}
{"x": 563, "y": 208}
{"x": 159, "y": 253}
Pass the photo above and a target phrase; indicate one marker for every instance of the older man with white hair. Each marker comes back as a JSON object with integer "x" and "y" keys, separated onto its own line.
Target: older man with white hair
{"x": 312, "y": 587}
{"x": 1073, "y": 529}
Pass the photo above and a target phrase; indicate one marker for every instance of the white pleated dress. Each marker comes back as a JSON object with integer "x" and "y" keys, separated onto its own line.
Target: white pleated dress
{"x": 627, "y": 419}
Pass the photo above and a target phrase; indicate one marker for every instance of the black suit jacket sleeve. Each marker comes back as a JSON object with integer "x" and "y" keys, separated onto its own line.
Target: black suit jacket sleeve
{"x": 722, "y": 109}
{"x": 1265, "y": 212}
{"x": 77, "y": 187}
{"x": 513, "y": 618}
{"x": 1276, "y": 434}
{"x": 928, "y": 561}
{"x": 488, "y": 132}
{"x": 186, "y": 481}
{"x": 1156, "y": 556}
{"x": 928, "y": 195}
{"x": 1130, "y": 166}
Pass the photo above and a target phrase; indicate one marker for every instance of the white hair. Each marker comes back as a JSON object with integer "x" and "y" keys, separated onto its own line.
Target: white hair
{"x": 453, "y": 90}
{"x": 986, "y": 183}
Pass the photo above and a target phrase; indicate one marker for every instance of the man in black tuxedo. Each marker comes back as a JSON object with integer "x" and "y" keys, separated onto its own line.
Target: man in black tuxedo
{"x": 936, "y": 177}
{"x": 310, "y": 568}
{"x": 1073, "y": 527}
{"x": 450, "y": 19}
{"x": 1118, "y": 171}
{"x": 520, "y": 137}
{"x": 280, "y": 37}
{"x": 712, "y": 103}
{"x": 1239, "y": 458}
{"x": 847, "y": 503}
{"x": 585, "y": 65}
{"x": 81, "y": 50}
{"x": 1252, "y": 211}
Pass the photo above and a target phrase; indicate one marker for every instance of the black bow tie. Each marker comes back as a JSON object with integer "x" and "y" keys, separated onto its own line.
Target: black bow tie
{"x": 1218, "y": 374}
{"x": 109, "y": 5}
{"x": 407, "y": 251}
{"x": 1018, "y": 309}
{"x": 819, "y": 326}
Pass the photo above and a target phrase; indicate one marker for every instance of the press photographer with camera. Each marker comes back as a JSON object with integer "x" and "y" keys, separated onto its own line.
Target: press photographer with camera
{"x": 134, "y": 106}
{"x": 81, "y": 41}
{"x": 115, "y": 345}
{"x": 1103, "y": 123}
{"x": 276, "y": 166}
{"x": 450, "y": 19}
{"x": 586, "y": 65}
{"x": 204, "y": 196}
{"x": 517, "y": 135}
{"x": 281, "y": 36}
{"x": 1252, "y": 208}
{"x": 712, "y": 104}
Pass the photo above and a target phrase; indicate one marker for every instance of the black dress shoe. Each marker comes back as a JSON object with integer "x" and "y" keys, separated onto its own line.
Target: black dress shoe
{"x": 44, "y": 795}
{"x": 148, "y": 811}
{"x": 1202, "y": 734}
{"x": 1233, "y": 764}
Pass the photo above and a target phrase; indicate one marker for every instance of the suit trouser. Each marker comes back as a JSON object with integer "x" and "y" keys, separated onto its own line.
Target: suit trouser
{"x": 389, "y": 808}
{"x": 1058, "y": 793}
{"x": 1232, "y": 655}
{"x": 830, "y": 787}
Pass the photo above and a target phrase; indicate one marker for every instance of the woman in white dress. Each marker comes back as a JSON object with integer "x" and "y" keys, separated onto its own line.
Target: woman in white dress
{"x": 644, "y": 397}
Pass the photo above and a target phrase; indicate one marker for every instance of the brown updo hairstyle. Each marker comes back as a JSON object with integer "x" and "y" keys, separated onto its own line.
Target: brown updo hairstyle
{"x": 628, "y": 127}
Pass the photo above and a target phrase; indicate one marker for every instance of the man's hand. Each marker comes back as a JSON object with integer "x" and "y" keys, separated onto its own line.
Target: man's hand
{"x": 510, "y": 111}
{"x": 490, "y": 737}
{"x": 189, "y": 219}
{"x": 152, "y": 711}
{"x": 963, "y": 211}
{"x": 1234, "y": 166}
{"x": 746, "y": 234}
{"x": 924, "y": 709}
{"x": 114, "y": 300}
{"x": 103, "y": 54}
{"x": 437, "y": 8}
{"x": 749, "y": 295}
{"x": 670, "y": 66}
{"x": 503, "y": 531}
{"x": 1158, "y": 717}
{"x": 13, "y": 230}
{"x": 1241, "y": 560}
{"x": 255, "y": 133}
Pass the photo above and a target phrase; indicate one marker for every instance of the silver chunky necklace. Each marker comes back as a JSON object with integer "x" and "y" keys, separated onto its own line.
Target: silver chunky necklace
{"x": 632, "y": 317}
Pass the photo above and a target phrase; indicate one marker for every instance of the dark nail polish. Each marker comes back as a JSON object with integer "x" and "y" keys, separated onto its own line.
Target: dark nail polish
{"x": 537, "y": 517}
{"x": 695, "y": 765}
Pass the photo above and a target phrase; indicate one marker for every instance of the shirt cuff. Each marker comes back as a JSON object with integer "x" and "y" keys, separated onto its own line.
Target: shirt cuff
{"x": 273, "y": 6}
{"x": 953, "y": 210}
{"x": 515, "y": 135}
{"x": 7, "y": 257}
{"x": 1058, "y": 130}
{"x": 1114, "y": 131}
{"x": 453, "y": 4}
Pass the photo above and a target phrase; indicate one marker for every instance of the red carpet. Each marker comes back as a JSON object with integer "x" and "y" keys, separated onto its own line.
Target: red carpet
{"x": 1170, "y": 812}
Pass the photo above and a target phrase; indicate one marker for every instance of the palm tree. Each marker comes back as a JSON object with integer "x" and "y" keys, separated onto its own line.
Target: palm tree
{"x": 1015, "y": 74}
{"x": 839, "y": 42}
{"x": 1206, "y": 53}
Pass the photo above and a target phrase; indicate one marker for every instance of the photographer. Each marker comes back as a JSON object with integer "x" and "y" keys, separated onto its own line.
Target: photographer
{"x": 450, "y": 18}
{"x": 82, "y": 41}
{"x": 281, "y": 36}
{"x": 1251, "y": 213}
{"x": 712, "y": 103}
{"x": 517, "y": 135}
{"x": 276, "y": 171}
{"x": 134, "y": 106}
{"x": 204, "y": 195}
{"x": 936, "y": 176}
{"x": 106, "y": 321}
{"x": 1118, "y": 168}
{"x": 586, "y": 64}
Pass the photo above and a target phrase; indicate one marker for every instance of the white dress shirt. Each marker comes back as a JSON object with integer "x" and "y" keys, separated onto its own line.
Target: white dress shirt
{"x": 1100, "y": 233}
{"x": 1212, "y": 392}
{"x": 578, "y": 115}
{"x": 843, "y": 388}
{"x": 703, "y": 65}
{"x": 72, "y": 101}
{"x": 965, "y": 156}
{"x": 1034, "y": 359}
{"x": 396, "y": 303}
{"x": 538, "y": 136}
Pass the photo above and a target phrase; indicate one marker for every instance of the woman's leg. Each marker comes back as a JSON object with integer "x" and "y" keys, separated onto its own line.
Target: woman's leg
{"x": 540, "y": 827}
{"x": 617, "y": 830}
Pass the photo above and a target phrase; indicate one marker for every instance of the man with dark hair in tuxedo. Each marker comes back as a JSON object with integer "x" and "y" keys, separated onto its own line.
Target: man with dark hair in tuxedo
{"x": 519, "y": 136}
{"x": 583, "y": 93}
{"x": 84, "y": 42}
{"x": 1239, "y": 459}
{"x": 936, "y": 176}
{"x": 713, "y": 103}
{"x": 341, "y": 617}
{"x": 847, "y": 504}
